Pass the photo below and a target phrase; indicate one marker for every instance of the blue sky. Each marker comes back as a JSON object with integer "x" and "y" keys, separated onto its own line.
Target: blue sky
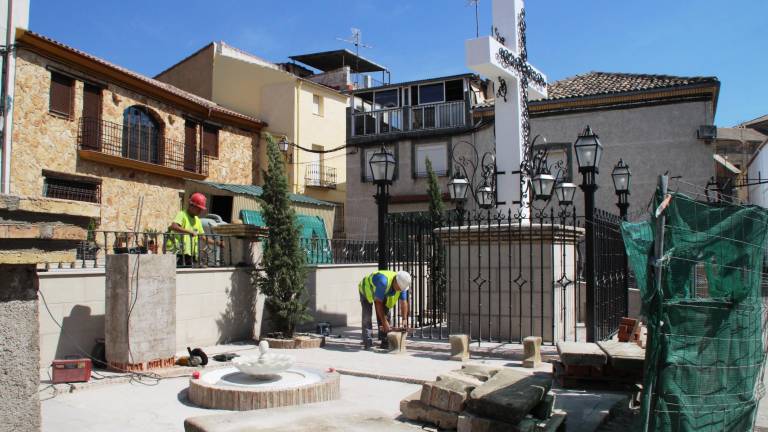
{"x": 421, "y": 38}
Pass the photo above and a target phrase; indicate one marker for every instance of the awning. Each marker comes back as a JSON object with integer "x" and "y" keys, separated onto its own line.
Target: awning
{"x": 724, "y": 162}
{"x": 332, "y": 60}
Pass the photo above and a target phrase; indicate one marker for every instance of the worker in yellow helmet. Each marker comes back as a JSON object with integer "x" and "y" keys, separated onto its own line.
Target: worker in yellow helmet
{"x": 382, "y": 290}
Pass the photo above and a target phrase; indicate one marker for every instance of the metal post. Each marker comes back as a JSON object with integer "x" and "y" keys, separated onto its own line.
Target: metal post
{"x": 382, "y": 200}
{"x": 623, "y": 205}
{"x": 589, "y": 187}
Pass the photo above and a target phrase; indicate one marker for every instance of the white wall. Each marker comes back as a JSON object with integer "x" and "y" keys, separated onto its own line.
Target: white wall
{"x": 758, "y": 194}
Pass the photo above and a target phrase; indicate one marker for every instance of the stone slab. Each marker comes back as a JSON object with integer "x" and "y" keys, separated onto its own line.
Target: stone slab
{"x": 450, "y": 392}
{"x": 479, "y": 371}
{"x": 472, "y": 423}
{"x": 459, "y": 347}
{"x": 413, "y": 408}
{"x": 624, "y": 355}
{"x": 544, "y": 409}
{"x": 556, "y": 423}
{"x": 581, "y": 354}
{"x": 290, "y": 421}
{"x": 509, "y": 396}
{"x": 532, "y": 352}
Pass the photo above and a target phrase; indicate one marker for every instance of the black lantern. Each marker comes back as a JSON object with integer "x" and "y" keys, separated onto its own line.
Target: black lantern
{"x": 543, "y": 183}
{"x": 283, "y": 144}
{"x": 621, "y": 178}
{"x": 382, "y": 165}
{"x": 565, "y": 193}
{"x": 588, "y": 151}
{"x": 485, "y": 195}
{"x": 458, "y": 186}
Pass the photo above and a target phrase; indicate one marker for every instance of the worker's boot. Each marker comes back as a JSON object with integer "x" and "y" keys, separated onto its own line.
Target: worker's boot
{"x": 367, "y": 345}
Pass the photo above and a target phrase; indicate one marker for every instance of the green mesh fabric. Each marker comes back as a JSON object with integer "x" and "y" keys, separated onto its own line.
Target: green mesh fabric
{"x": 705, "y": 351}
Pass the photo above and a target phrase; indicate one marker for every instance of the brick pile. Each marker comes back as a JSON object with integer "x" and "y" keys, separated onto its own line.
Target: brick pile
{"x": 479, "y": 398}
{"x": 603, "y": 364}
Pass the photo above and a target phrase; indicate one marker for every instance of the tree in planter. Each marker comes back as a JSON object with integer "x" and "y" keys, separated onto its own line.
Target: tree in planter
{"x": 283, "y": 275}
{"x": 437, "y": 276}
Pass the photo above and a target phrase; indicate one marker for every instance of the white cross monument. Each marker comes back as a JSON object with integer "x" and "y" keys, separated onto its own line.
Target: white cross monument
{"x": 503, "y": 58}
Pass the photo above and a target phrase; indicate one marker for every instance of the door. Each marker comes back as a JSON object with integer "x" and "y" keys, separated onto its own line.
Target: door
{"x": 91, "y": 129}
{"x": 190, "y": 146}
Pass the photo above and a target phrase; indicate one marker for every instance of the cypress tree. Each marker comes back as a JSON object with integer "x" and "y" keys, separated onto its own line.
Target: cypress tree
{"x": 437, "y": 276}
{"x": 283, "y": 276}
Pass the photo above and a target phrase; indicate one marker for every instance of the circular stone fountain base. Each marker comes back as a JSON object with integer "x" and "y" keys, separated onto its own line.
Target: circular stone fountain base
{"x": 231, "y": 389}
{"x": 298, "y": 342}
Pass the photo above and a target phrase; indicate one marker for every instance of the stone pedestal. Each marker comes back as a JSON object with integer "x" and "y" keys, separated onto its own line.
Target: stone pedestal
{"x": 459, "y": 347}
{"x": 140, "y": 315}
{"x": 244, "y": 243}
{"x": 397, "y": 342}
{"x": 20, "y": 350}
{"x": 509, "y": 281}
{"x": 532, "y": 352}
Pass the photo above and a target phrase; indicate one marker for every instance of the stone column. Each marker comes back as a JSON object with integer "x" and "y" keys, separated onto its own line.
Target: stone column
{"x": 20, "y": 350}
{"x": 510, "y": 281}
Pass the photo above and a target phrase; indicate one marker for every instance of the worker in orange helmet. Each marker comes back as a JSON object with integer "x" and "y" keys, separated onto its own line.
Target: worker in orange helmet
{"x": 187, "y": 224}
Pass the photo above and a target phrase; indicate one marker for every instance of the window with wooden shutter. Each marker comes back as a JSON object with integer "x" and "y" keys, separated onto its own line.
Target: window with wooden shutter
{"x": 211, "y": 140}
{"x": 62, "y": 94}
{"x": 91, "y": 123}
{"x": 190, "y": 146}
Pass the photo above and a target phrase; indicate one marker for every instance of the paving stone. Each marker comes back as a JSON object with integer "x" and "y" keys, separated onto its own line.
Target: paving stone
{"x": 543, "y": 410}
{"x": 450, "y": 392}
{"x": 624, "y": 355}
{"x": 532, "y": 352}
{"x": 581, "y": 354}
{"x": 459, "y": 347}
{"x": 479, "y": 371}
{"x": 509, "y": 396}
{"x": 414, "y": 409}
{"x": 472, "y": 423}
{"x": 397, "y": 342}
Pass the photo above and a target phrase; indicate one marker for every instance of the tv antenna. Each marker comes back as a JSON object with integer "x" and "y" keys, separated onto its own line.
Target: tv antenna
{"x": 357, "y": 40}
{"x": 477, "y": 20}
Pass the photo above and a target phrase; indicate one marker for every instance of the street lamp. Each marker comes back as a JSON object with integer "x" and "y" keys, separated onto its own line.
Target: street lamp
{"x": 382, "y": 165}
{"x": 565, "y": 193}
{"x": 485, "y": 195}
{"x": 457, "y": 187}
{"x": 283, "y": 144}
{"x": 543, "y": 182}
{"x": 588, "y": 154}
{"x": 621, "y": 179}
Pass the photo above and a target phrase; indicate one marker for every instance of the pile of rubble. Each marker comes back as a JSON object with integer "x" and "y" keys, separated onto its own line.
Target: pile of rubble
{"x": 480, "y": 398}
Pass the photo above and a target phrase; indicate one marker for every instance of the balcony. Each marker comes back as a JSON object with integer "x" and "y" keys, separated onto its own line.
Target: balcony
{"x": 403, "y": 120}
{"x": 319, "y": 175}
{"x": 140, "y": 148}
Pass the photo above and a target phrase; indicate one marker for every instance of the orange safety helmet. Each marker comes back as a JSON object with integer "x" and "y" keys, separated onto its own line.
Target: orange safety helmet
{"x": 198, "y": 200}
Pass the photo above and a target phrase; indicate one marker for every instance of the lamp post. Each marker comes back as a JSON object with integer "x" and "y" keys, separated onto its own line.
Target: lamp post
{"x": 382, "y": 165}
{"x": 283, "y": 144}
{"x": 621, "y": 178}
{"x": 588, "y": 154}
{"x": 457, "y": 187}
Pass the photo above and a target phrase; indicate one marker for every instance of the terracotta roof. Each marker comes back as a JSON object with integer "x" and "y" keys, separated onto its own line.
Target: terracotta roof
{"x": 607, "y": 83}
{"x": 26, "y": 35}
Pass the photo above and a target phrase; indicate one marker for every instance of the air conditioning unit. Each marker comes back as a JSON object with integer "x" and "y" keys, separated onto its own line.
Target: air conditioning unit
{"x": 707, "y": 132}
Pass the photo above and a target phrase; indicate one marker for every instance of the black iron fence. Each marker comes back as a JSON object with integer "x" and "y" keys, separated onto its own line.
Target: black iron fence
{"x": 611, "y": 274}
{"x": 143, "y": 144}
{"x": 339, "y": 251}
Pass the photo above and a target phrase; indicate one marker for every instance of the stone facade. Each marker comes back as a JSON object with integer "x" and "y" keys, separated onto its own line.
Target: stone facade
{"x": 42, "y": 140}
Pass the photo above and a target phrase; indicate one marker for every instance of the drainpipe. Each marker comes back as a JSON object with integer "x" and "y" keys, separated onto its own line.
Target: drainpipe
{"x": 5, "y": 169}
{"x": 297, "y": 139}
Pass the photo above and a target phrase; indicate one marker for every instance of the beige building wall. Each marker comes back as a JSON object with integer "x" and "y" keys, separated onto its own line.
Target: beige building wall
{"x": 43, "y": 141}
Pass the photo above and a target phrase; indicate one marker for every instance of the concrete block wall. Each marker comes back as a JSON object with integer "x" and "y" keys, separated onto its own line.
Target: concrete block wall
{"x": 333, "y": 294}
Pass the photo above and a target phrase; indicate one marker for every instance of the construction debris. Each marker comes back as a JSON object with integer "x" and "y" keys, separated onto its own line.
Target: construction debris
{"x": 607, "y": 363}
{"x": 480, "y": 398}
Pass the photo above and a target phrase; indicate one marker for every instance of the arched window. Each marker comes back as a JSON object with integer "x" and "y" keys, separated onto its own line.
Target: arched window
{"x": 142, "y": 135}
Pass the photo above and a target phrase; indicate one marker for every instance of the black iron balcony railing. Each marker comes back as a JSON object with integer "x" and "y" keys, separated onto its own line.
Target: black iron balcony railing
{"x": 406, "y": 119}
{"x": 142, "y": 144}
{"x": 319, "y": 175}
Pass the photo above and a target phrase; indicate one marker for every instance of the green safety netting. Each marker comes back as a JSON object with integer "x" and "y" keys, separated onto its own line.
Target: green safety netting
{"x": 312, "y": 233}
{"x": 705, "y": 352}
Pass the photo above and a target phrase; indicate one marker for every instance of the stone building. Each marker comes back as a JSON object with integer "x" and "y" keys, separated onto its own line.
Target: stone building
{"x": 432, "y": 118}
{"x": 90, "y": 131}
{"x": 309, "y": 115}
{"x": 652, "y": 122}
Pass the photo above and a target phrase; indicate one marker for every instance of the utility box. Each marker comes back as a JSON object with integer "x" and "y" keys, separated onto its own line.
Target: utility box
{"x": 140, "y": 316}
{"x": 71, "y": 370}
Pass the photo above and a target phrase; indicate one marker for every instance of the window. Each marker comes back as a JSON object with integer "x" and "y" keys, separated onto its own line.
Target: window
{"x": 386, "y": 99}
{"x": 454, "y": 90}
{"x": 559, "y": 160}
{"x": 91, "y": 130}
{"x": 438, "y": 156}
{"x": 190, "y": 146}
{"x": 211, "y": 141}
{"x": 71, "y": 187}
{"x": 142, "y": 135}
{"x": 431, "y": 93}
{"x": 317, "y": 105}
{"x": 338, "y": 220}
{"x": 368, "y": 177}
{"x": 62, "y": 94}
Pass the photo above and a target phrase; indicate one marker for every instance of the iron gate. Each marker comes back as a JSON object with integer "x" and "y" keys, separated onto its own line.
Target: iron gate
{"x": 611, "y": 274}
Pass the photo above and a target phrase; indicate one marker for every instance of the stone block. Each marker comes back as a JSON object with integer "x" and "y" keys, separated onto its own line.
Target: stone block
{"x": 532, "y": 352}
{"x": 472, "y": 423}
{"x": 581, "y": 354}
{"x": 509, "y": 396}
{"x": 459, "y": 347}
{"x": 556, "y": 423}
{"x": 624, "y": 355}
{"x": 479, "y": 371}
{"x": 450, "y": 392}
{"x": 414, "y": 409}
{"x": 397, "y": 342}
{"x": 544, "y": 409}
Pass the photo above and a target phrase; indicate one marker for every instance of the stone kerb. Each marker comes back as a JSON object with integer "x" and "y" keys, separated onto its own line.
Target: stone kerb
{"x": 504, "y": 279}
